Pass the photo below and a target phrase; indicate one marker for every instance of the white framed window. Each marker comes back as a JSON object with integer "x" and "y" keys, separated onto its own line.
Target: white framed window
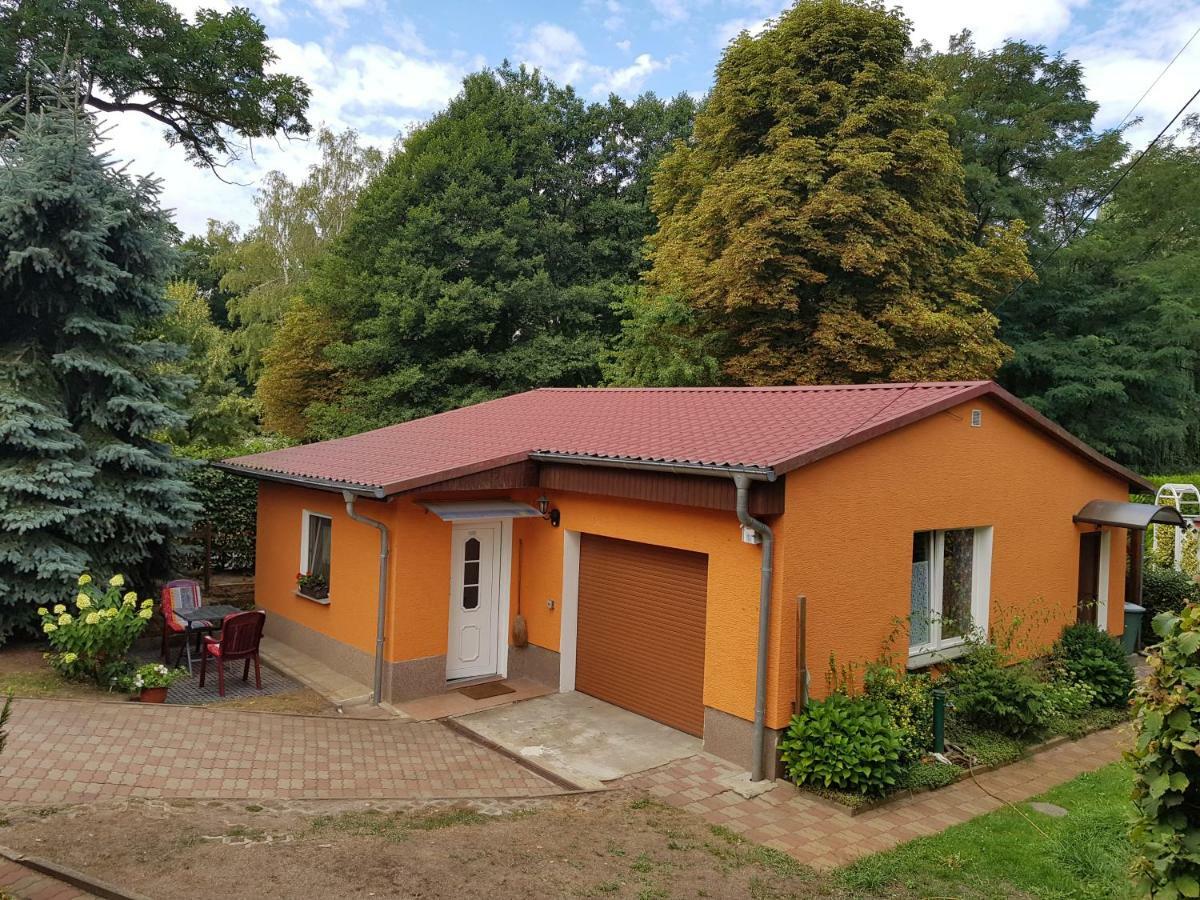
{"x": 951, "y": 584}
{"x": 316, "y": 533}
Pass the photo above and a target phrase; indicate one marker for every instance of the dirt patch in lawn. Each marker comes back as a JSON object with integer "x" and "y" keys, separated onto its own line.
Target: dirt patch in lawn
{"x": 304, "y": 702}
{"x": 24, "y": 673}
{"x": 618, "y": 844}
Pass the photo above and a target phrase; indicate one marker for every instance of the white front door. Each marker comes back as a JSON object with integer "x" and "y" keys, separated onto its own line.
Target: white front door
{"x": 474, "y": 601}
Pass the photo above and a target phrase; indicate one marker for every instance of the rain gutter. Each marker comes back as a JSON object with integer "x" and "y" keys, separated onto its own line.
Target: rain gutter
{"x": 381, "y": 615}
{"x": 765, "y": 574}
{"x": 321, "y": 484}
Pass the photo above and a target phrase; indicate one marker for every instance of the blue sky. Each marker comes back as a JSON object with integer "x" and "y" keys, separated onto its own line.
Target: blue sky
{"x": 380, "y": 66}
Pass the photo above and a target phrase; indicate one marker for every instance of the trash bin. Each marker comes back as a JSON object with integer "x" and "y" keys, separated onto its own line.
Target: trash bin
{"x": 1133, "y": 626}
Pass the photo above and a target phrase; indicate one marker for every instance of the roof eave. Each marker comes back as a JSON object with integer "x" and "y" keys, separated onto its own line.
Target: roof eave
{"x": 373, "y": 491}
{"x": 1136, "y": 482}
{"x": 758, "y": 473}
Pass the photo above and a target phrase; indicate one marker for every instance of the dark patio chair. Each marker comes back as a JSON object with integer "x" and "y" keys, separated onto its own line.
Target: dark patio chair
{"x": 181, "y": 594}
{"x": 240, "y": 637}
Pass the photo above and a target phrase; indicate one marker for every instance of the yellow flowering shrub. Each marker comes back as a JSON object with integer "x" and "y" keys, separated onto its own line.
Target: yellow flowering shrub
{"x": 94, "y": 645}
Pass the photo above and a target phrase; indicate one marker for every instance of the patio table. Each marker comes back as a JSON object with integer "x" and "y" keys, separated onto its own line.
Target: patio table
{"x": 217, "y": 613}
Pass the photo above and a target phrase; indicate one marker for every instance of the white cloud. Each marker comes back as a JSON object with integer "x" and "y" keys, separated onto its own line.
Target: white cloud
{"x": 379, "y": 91}
{"x": 727, "y": 31}
{"x": 335, "y": 10}
{"x": 623, "y": 45}
{"x": 630, "y": 78}
{"x": 366, "y": 79}
{"x": 671, "y": 10}
{"x": 556, "y": 51}
{"x": 991, "y": 22}
{"x": 1125, "y": 56}
{"x": 616, "y": 15}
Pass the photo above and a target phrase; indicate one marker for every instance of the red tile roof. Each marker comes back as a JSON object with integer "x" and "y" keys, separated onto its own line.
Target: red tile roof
{"x": 774, "y": 429}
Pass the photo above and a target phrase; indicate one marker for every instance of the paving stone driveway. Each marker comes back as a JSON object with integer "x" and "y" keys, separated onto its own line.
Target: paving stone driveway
{"x": 64, "y": 751}
{"x": 823, "y": 836}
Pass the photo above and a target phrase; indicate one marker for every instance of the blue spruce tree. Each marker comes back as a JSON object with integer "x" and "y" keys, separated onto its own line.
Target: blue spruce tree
{"x": 84, "y": 258}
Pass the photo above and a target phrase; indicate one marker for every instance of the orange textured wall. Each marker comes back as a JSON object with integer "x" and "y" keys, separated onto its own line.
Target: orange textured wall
{"x": 354, "y": 563}
{"x": 732, "y": 610}
{"x": 420, "y": 574}
{"x": 851, "y": 518}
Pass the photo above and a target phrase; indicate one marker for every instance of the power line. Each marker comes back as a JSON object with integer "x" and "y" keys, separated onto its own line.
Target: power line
{"x": 1155, "y": 82}
{"x": 1095, "y": 206}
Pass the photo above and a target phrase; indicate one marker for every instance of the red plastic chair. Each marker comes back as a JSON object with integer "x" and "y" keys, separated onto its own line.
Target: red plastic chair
{"x": 181, "y": 594}
{"x": 240, "y": 637}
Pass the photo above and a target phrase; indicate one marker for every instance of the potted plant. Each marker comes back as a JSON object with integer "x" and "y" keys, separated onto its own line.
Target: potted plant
{"x": 152, "y": 680}
{"x": 314, "y": 586}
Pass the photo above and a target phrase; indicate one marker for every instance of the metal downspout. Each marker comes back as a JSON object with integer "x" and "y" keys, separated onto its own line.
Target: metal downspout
{"x": 742, "y": 483}
{"x": 380, "y": 626}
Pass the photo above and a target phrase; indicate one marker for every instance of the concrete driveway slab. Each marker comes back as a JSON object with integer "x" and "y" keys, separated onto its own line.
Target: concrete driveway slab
{"x": 580, "y": 738}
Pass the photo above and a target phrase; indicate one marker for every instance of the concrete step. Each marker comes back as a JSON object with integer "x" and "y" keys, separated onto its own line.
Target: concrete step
{"x": 337, "y": 688}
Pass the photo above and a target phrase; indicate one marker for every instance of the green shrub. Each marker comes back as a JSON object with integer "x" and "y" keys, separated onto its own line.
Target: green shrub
{"x": 1066, "y": 699}
{"x": 845, "y": 743}
{"x": 989, "y": 748}
{"x": 927, "y": 776}
{"x": 909, "y": 701}
{"x": 92, "y": 642}
{"x": 1096, "y": 659}
{"x": 995, "y": 697}
{"x": 1165, "y": 590}
{"x": 230, "y": 509}
{"x": 1166, "y": 833}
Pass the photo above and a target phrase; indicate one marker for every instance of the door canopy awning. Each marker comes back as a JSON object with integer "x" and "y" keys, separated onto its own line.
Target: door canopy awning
{"x": 1129, "y": 515}
{"x": 469, "y": 510}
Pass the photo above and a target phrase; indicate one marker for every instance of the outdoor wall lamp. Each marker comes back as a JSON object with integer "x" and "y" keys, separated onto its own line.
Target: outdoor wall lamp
{"x": 552, "y": 515}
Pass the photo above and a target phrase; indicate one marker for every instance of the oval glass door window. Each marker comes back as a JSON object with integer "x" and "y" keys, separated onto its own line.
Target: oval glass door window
{"x": 470, "y": 591}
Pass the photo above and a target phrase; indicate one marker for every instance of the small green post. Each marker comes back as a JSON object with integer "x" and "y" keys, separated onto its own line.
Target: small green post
{"x": 939, "y": 720}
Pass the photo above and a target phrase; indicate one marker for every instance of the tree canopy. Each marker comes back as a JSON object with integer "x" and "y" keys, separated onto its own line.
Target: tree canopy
{"x": 817, "y": 220}
{"x": 84, "y": 258}
{"x": 1022, "y": 120}
{"x": 1108, "y": 344}
{"x": 263, "y": 273}
{"x": 207, "y": 83}
{"x": 486, "y": 258}
{"x": 1105, "y": 338}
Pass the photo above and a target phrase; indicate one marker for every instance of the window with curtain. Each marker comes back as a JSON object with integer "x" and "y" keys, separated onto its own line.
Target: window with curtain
{"x": 316, "y": 554}
{"x": 951, "y": 575}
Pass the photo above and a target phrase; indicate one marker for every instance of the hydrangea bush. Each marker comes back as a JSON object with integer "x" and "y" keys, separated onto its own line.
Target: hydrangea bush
{"x": 91, "y": 639}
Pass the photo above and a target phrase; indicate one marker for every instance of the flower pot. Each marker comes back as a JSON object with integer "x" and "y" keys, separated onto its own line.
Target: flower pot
{"x": 153, "y": 695}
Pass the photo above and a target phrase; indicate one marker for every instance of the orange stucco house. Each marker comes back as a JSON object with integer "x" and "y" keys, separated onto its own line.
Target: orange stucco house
{"x": 633, "y": 531}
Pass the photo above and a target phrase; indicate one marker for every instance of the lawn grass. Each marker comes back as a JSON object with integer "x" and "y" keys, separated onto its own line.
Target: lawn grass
{"x": 1083, "y": 855}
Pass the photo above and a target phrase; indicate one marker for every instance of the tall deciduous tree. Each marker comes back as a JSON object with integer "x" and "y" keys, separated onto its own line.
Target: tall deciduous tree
{"x": 1022, "y": 120}
{"x": 1108, "y": 344}
{"x": 84, "y": 258}
{"x": 817, "y": 219}
{"x": 207, "y": 83}
{"x": 486, "y": 258}
{"x": 265, "y": 271}
{"x": 219, "y": 413}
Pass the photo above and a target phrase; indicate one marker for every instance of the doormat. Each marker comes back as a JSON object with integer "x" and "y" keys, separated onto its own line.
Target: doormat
{"x": 488, "y": 689}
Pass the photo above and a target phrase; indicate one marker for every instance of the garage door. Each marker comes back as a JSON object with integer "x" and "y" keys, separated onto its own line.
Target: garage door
{"x": 641, "y": 629}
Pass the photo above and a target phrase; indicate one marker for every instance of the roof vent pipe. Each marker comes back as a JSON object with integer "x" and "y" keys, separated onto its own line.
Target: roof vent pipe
{"x": 758, "y": 763}
{"x": 380, "y": 624}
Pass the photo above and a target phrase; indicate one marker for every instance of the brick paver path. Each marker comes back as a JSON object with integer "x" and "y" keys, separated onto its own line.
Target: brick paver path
{"x": 62, "y": 751}
{"x": 27, "y": 884}
{"x": 821, "y": 835}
